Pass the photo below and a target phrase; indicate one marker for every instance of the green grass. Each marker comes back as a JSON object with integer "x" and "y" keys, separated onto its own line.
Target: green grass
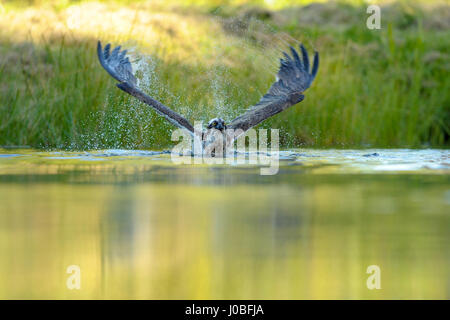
{"x": 375, "y": 88}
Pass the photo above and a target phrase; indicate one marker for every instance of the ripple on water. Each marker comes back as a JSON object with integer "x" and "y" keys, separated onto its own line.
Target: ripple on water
{"x": 379, "y": 160}
{"x": 10, "y": 155}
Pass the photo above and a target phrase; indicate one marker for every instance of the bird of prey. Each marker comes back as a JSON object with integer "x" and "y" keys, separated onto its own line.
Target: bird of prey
{"x": 294, "y": 77}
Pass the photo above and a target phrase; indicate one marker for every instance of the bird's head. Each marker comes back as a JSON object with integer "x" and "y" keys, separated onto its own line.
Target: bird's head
{"x": 217, "y": 123}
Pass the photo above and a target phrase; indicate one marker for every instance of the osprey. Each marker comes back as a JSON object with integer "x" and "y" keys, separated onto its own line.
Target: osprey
{"x": 293, "y": 78}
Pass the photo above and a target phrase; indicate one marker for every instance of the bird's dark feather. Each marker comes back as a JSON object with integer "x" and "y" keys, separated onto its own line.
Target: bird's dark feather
{"x": 293, "y": 78}
{"x": 116, "y": 64}
{"x": 119, "y": 67}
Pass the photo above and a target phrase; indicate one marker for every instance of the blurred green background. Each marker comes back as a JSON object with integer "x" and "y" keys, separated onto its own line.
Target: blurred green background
{"x": 375, "y": 88}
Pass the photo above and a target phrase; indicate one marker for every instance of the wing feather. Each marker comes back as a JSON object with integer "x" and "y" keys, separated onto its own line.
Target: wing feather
{"x": 117, "y": 64}
{"x": 293, "y": 78}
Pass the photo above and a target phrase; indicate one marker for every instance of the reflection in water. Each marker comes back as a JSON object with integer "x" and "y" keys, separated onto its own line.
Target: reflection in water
{"x": 140, "y": 227}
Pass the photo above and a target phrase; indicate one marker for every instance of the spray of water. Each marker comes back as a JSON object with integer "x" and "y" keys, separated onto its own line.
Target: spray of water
{"x": 128, "y": 125}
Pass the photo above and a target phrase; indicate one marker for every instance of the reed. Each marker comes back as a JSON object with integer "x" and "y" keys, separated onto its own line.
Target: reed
{"x": 375, "y": 88}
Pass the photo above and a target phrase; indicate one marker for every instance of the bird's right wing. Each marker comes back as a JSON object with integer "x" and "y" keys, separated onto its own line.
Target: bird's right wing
{"x": 119, "y": 67}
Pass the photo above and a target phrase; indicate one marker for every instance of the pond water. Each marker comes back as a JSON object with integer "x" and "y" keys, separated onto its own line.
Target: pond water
{"x": 139, "y": 226}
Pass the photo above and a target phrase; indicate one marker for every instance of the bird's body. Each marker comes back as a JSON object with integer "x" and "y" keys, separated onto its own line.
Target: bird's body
{"x": 293, "y": 78}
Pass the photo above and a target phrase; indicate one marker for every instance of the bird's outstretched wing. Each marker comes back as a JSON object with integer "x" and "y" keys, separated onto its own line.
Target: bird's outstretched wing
{"x": 293, "y": 78}
{"x": 119, "y": 67}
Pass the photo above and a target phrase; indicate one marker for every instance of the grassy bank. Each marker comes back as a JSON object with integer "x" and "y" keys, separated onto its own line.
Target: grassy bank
{"x": 378, "y": 88}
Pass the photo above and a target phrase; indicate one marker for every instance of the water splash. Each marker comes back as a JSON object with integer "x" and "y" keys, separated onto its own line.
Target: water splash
{"x": 128, "y": 125}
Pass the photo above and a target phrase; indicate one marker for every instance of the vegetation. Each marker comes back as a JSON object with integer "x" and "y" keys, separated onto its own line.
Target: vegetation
{"x": 377, "y": 88}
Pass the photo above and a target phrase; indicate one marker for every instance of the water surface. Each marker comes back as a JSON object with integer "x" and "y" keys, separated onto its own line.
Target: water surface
{"x": 140, "y": 227}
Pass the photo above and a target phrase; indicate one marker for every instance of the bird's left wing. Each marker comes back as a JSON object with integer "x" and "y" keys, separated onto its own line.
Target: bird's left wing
{"x": 293, "y": 78}
{"x": 119, "y": 67}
